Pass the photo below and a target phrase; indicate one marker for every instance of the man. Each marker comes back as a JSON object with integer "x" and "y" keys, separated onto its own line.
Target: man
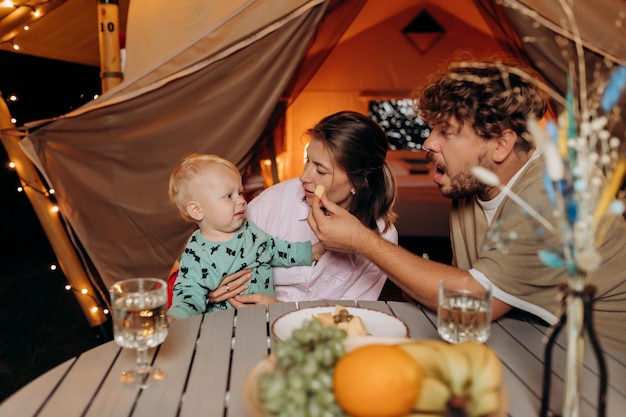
{"x": 479, "y": 112}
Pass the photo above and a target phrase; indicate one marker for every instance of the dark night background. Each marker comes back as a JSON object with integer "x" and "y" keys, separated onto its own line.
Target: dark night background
{"x": 41, "y": 324}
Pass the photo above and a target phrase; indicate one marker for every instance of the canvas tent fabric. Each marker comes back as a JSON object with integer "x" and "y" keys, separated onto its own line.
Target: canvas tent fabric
{"x": 214, "y": 86}
{"x": 110, "y": 161}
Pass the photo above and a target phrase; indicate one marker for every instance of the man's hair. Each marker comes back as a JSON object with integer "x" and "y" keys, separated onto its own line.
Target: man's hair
{"x": 184, "y": 174}
{"x": 490, "y": 95}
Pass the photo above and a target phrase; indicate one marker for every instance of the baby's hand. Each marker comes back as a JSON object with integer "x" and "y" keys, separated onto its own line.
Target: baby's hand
{"x": 317, "y": 250}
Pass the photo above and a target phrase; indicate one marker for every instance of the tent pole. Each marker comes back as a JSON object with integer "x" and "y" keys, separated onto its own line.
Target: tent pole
{"x": 66, "y": 255}
{"x": 111, "y": 74}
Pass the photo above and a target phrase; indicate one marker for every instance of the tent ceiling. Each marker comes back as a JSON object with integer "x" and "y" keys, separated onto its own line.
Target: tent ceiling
{"x": 67, "y": 30}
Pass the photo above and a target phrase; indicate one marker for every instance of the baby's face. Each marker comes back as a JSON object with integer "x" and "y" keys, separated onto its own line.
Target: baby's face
{"x": 219, "y": 194}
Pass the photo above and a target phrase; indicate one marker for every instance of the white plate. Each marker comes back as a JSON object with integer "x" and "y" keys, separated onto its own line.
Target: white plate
{"x": 376, "y": 322}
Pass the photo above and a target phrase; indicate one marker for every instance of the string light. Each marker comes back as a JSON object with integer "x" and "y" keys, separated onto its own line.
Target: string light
{"x": 84, "y": 292}
{"x": 37, "y": 10}
{"x": 48, "y": 193}
{"x": 94, "y": 301}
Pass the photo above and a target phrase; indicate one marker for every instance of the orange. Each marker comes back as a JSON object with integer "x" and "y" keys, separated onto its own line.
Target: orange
{"x": 377, "y": 380}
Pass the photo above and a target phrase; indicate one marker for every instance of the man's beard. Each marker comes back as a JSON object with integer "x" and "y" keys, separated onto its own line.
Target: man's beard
{"x": 464, "y": 184}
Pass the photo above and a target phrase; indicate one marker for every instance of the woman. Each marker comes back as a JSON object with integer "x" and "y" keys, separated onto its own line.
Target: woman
{"x": 346, "y": 155}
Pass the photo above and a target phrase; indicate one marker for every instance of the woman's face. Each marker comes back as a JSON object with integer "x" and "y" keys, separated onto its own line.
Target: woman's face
{"x": 320, "y": 169}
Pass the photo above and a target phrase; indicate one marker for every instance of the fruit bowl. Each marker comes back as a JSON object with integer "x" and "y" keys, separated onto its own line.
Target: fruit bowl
{"x": 253, "y": 403}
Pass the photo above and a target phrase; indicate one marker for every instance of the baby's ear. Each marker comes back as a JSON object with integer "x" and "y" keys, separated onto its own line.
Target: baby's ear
{"x": 194, "y": 210}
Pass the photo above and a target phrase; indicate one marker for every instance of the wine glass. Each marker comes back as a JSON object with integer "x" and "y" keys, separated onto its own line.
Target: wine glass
{"x": 139, "y": 308}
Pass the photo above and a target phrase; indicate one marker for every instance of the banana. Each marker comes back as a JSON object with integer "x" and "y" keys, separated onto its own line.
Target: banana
{"x": 486, "y": 368}
{"x": 485, "y": 403}
{"x": 455, "y": 369}
{"x": 427, "y": 355}
{"x": 466, "y": 375}
{"x": 489, "y": 376}
{"x": 433, "y": 397}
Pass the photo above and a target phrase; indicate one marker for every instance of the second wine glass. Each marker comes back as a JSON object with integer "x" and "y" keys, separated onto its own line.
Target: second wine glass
{"x": 139, "y": 307}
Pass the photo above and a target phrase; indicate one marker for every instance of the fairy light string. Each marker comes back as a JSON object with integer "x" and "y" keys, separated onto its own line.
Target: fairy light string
{"x": 19, "y": 21}
{"x": 97, "y": 300}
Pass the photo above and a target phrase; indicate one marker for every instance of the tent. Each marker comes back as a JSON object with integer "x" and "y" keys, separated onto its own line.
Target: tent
{"x": 244, "y": 79}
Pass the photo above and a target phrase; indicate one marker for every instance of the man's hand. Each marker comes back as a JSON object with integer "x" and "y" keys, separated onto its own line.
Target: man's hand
{"x": 335, "y": 227}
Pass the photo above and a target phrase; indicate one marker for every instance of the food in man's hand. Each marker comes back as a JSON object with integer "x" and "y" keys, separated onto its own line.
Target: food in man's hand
{"x": 342, "y": 319}
{"x": 377, "y": 380}
{"x": 320, "y": 190}
{"x": 466, "y": 376}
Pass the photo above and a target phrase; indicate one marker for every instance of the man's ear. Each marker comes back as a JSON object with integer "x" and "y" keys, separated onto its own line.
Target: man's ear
{"x": 505, "y": 144}
{"x": 194, "y": 210}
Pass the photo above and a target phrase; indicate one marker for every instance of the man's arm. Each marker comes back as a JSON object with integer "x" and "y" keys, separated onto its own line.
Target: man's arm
{"x": 418, "y": 277}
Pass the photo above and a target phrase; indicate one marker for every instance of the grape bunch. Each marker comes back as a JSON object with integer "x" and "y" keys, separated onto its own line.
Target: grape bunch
{"x": 301, "y": 385}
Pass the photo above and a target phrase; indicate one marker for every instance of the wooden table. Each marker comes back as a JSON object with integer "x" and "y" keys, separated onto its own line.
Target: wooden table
{"x": 208, "y": 357}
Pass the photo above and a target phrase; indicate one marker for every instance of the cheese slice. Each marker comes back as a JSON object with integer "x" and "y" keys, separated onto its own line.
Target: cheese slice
{"x": 320, "y": 190}
{"x": 354, "y": 327}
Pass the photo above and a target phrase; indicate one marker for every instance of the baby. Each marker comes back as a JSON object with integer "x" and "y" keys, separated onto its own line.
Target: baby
{"x": 208, "y": 191}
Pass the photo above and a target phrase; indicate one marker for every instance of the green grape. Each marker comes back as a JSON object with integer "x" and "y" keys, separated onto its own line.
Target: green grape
{"x": 301, "y": 383}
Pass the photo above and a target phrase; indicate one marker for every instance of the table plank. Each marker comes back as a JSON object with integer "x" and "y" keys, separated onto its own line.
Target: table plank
{"x": 174, "y": 357}
{"x": 420, "y": 326}
{"x": 30, "y": 398}
{"x": 208, "y": 379}
{"x": 88, "y": 372}
{"x": 532, "y": 338}
{"x": 249, "y": 348}
{"x": 114, "y": 399}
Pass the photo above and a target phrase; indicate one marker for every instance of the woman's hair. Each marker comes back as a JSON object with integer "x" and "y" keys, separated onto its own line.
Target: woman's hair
{"x": 184, "y": 174}
{"x": 359, "y": 147}
{"x": 491, "y": 95}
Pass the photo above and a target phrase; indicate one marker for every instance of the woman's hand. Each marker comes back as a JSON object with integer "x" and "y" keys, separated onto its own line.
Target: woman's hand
{"x": 245, "y": 300}
{"x": 230, "y": 286}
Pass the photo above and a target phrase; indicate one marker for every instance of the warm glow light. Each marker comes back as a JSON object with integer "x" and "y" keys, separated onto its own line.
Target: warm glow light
{"x": 83, "y": 291}
{"x": 94, "y": 309}
{"x": 68, "y": 287}
{"x": 20, "y": 189}
{"x": 12, "y": 97}
{"x": 53, "y": 267}
{"x": 7, "y": 3}
{"x": 16, "y": 47}
{"x": 13, "y": 120}
{"x": 105, "y": 311}
{"x": 51, "y": 191}
{"x": 55, "y": 209}
{"x": 36, "y": 13}
{"x": 26, "y": 27}
{"x": 96, "y": 96}
{"x": 11, "y": 165}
